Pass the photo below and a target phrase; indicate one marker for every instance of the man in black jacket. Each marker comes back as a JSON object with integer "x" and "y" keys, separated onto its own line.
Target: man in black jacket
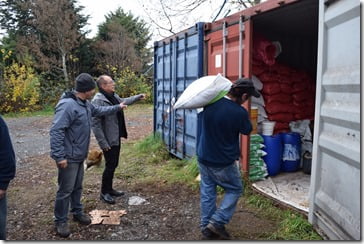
{"x": 108, "y": 130}
{"x": 7, "y": 172}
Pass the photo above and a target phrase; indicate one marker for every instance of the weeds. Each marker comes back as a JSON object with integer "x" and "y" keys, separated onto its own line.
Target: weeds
{"x": 148, "y": 160}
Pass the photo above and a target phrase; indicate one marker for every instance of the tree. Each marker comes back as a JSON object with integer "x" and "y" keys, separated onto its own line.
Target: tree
{"x": 49, "y": 31}
{"x": 132, "y": 33}
{"x": 170, "y": 18}
{"x": 15, "y": 16}
{"x": 58, "y": 33}
{"x": 117, "y": 52}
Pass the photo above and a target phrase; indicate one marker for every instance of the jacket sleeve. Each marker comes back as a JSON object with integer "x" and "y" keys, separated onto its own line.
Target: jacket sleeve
{"x": 62, "y": 120}
{"x": 131, "y": 100}
{"x": 98, "y": 111}
{"x": 7, "y": 157}
{"x": 97, "y": 127}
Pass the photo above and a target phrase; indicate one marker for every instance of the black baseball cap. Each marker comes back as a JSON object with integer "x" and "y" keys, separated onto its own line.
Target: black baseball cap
{"x": 247, "y": 84}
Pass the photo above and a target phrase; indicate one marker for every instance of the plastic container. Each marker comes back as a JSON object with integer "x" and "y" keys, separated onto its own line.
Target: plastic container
{"x": 273, "y": 148}
{"x": 291, "y": 155}
{"x": 254, "y": 119}
{"x": 307, "y": 162}
{"x": 268, "y": 127}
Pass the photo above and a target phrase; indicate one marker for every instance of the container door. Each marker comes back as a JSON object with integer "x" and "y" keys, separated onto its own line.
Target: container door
{"x": 178, "y": 62}
{"x": 229, "y": 53}
{"x": 335, "y": 179}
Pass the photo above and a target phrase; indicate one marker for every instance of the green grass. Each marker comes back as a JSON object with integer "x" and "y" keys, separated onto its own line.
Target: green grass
{"x": 46, "y": 111}
{"x": 149, "y": 161}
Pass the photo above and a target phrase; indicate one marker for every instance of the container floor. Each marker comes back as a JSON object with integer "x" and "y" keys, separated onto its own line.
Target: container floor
{"x": 289, "y": 188}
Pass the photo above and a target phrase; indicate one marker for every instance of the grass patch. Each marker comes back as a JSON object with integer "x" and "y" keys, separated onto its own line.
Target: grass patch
{"x": 48, "y": 110}
{"x": 293, "y": 226}
{"x": 149, "y": 161}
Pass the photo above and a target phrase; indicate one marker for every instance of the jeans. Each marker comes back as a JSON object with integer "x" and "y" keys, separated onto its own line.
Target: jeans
{"x": 229, "y": 178}
{"x": 69, "y": 191}
{"x": 3, "y": 213}
{"x": 111, "y": 162}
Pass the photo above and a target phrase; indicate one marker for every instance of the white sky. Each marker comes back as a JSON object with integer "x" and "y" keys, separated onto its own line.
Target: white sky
{"x": 98, "y": 9}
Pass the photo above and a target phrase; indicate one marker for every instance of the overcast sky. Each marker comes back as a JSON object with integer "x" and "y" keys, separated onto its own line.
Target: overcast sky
{"x": 97, "y": 9}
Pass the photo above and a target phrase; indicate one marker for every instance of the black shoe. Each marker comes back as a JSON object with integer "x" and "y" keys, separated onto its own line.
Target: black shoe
{"x": 62, "y": 229}
{"x": 82, "y": 219}
{"x": 207, "y": 234}
{"x": 115, "y": 193}
{"x": 107, "y": 198}
{"x": 219, "y": 230}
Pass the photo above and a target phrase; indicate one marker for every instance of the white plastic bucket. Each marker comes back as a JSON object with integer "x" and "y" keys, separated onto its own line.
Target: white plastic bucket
{"x": 268, "y": 127}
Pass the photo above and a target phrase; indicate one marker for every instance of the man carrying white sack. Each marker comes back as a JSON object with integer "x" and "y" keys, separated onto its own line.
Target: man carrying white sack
{"x": 219, "y": 126}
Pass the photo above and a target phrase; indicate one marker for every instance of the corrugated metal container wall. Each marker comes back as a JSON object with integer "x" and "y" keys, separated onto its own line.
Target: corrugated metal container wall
{"x": 178, "y": 61}
{"x": 229, "y": 50}
{"x": 335, "y": 183}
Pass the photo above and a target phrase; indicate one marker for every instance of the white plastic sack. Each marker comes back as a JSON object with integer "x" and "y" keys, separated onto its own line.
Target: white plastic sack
{"x": 203, "y": 91}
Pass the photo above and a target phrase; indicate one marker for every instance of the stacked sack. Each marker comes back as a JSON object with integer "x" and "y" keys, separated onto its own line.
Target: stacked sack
{"x": 257, "y": 167}
{"x": 289, "y": 94}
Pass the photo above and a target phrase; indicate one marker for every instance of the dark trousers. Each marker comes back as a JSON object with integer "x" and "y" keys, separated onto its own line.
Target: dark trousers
{"x": 3, "y": 213}
{"x": 69, "y": 192}
{"x": 111, "y": 162}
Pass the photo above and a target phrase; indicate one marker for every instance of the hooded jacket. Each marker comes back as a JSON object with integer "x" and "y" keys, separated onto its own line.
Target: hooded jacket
{"x": 71, "y": 127}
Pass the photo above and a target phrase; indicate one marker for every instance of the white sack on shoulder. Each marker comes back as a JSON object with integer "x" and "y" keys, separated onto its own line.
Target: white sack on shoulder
{"x": 203, "y": 91}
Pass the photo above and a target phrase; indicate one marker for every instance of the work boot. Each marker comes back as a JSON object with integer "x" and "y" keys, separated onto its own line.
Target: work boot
{"x": 115, "y": 193}
{"x": 82, "y": 219}
{"x": 207, "y": 234}
{"x": 62, "y": 229}
{"x": 219, "y": 230}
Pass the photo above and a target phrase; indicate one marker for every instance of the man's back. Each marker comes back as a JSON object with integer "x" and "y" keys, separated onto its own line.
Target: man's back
{"x": 219, "y": 126}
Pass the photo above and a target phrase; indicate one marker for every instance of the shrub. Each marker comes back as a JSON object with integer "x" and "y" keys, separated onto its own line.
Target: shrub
{"x": 128, "y": 83}
{"x": 19, "y": 91}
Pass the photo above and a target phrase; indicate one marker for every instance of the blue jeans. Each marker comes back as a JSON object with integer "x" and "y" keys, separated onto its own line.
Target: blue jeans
{"x": 69, "y": 191}
{"x": 229, "y": 178}
{"x": 3, "y": 213}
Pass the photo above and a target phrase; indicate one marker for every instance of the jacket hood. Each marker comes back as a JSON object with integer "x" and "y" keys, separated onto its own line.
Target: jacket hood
{"x": 69, "y": 94}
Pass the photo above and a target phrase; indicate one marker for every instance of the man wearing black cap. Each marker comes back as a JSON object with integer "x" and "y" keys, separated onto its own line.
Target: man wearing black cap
{"x": 219, "y": 126}
{"x": 69, "y": 141}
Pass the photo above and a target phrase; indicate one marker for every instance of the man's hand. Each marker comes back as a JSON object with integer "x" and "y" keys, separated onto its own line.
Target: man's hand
{"x": 2, "y": 193}
{"x": 143, "y": 96}
{"x": 106, "y": 149}
{"x": 62, "y": 164}
{"x": 122, "y": 105}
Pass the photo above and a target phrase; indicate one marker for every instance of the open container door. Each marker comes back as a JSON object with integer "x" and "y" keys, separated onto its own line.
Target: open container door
{"x": 335, "y": 181}
{"x": 228, "y": 51}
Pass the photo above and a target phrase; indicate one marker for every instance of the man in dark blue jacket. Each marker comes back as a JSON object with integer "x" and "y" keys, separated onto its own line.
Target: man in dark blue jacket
{"x": 219, "y": 126}
{"x": 7, "y": 172}
{"x": 69, "y": 141}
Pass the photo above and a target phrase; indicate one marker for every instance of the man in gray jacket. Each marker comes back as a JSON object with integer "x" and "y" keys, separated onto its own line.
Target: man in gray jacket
{"x": 69, "y": 141}
{"x": 108, "y": 130}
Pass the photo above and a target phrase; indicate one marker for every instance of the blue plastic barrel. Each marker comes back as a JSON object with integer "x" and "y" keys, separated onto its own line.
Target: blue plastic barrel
{"x": 291, "y": 155}
{"x": 273, "y": 148}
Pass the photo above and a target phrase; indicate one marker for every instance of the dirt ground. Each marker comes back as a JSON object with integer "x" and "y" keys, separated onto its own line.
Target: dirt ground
{"x": 170, "y": 213}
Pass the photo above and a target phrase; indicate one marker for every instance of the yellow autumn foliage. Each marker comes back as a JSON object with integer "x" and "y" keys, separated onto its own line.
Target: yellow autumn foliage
{"x": 19, "y": 89}
{"x": 128, "y": 83}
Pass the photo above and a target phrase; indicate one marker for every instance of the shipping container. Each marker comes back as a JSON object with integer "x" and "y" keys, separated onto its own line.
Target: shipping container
{"x": 313, "y": 75}
{"x": 316, "y": 72}
{"x": 178, "y": 61}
